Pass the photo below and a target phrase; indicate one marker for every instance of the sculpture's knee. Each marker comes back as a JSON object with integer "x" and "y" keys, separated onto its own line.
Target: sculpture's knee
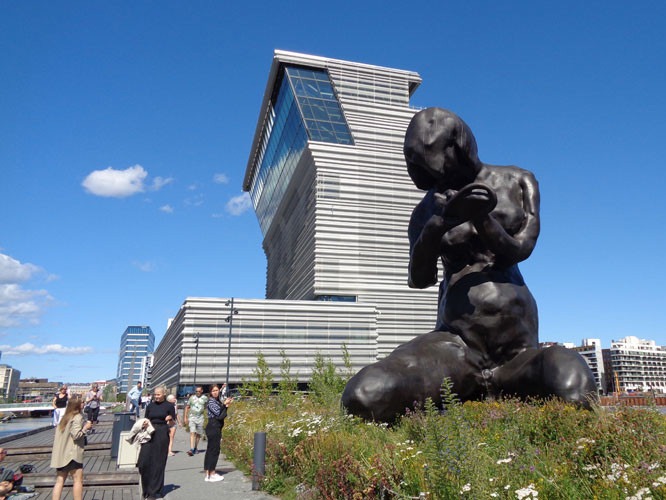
{"x": 370, "y": 394}
{"x": 569, "y": 376}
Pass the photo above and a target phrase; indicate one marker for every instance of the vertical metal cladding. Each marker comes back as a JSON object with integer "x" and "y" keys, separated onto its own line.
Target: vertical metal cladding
{"x": 299, "y": 329}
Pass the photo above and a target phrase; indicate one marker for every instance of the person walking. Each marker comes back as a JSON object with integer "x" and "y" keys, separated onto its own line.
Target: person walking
{"x": 59, "y": 404}
{"x": 93, "y": 402}
{"x": 194, "y": 417}
{"x": 153, "y": 455}
{"x": 68, "y": 444}
{"x": 173, "y": 425}
{"x": 134, "y": 396}
{"x": 217, "y": 412}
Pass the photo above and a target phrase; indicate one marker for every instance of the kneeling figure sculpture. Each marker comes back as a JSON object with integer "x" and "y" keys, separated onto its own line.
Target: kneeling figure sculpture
{"x": 480, "y": 220}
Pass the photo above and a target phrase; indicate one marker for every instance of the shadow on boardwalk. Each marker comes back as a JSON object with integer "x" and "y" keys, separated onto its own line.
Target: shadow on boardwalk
{"x": 103, "y": 480}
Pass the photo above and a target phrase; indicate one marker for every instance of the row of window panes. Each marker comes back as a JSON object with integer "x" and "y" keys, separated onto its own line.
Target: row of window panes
{"x": 280, "y": 153}
{"x": 285, "y": 146}
{"x": 317, "y": 102}
{"x": 273, "y": 132}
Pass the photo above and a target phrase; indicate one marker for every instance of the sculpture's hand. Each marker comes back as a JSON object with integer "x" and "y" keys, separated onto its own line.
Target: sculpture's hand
{"x": 472, "y": 202}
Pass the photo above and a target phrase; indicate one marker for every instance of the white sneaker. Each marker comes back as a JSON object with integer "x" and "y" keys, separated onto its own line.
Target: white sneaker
{"x": 215, "y": 478}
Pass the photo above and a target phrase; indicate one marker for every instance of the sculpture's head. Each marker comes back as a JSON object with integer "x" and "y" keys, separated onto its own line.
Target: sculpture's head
{"x": 440, "y": 149}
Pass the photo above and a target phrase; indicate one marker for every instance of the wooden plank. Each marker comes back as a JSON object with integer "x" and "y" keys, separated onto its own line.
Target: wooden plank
{"x": 89, "y": 479}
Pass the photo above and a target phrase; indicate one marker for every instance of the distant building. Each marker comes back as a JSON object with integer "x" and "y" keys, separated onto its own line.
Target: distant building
{"x": 637, "y": 365}
{"x": 136, "y": 343}
{"x": 196, "y": 346}
{"x": 591, "y": 350}
{"x": 327, "y": 178}
{"x": 9, "y": 382}
{"x": 36, "y": 390}
{"x": 82, "y": 388}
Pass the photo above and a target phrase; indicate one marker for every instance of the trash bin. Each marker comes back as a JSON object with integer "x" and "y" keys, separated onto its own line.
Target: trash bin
{"x": 122, "y": 421}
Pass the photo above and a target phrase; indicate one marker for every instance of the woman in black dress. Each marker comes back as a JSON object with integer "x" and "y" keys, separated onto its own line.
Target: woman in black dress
{"x": 153, "y": 455}
{"x": 59, "y": 404}
{"x": 217, "y": 412}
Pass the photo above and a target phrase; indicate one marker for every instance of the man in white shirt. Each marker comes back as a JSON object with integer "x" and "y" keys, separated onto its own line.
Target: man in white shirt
{"x": 134, "y": 396}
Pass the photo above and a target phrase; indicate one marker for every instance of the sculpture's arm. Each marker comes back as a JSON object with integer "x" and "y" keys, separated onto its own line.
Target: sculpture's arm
{"x": 426, "y": 228}
{"x": 514, "y": 248}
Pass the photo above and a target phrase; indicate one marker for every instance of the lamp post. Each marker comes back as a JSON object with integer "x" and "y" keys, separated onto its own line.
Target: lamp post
{"x": 196, "y": 356}
{"x": 230, "y": 319}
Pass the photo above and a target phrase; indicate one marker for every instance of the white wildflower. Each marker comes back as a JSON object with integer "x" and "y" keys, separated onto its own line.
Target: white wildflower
{"x": 528, "y": 492}
{"x": 639, "y": 495}
{"x": 660, "y": 481}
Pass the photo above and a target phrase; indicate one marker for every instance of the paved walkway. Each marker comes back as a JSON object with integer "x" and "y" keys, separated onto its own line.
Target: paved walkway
{"x": 185, "y": 477}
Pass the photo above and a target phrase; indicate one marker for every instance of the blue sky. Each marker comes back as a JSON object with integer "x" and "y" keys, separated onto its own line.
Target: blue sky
{"x": 126, "y": 126}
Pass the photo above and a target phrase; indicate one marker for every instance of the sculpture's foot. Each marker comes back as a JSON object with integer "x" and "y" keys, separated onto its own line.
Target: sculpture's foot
{"x": 554, "y": 371}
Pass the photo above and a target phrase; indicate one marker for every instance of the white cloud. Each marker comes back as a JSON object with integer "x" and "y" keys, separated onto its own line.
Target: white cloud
{"x": 167, "y": 209}
{"x": 19, "y": 305}
{"x": 160, "y": 182}
{"x": 12, "y": 271}
{"x": 239, "y": 204}
{"x": 195, "y": 201}
{"x": 28, "y": 348}
{"x": 146, "y": 267}
{"x": 114, "y": 183}
{"x": 221, "y": 179}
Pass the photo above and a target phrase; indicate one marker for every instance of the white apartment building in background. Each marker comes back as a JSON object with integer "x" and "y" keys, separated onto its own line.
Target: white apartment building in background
{"x": 637, "y": 365}
{"x": 630, "y": 365}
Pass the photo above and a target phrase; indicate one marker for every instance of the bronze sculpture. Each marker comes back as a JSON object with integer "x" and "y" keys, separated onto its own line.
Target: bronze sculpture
{"x": 480, "y": 220}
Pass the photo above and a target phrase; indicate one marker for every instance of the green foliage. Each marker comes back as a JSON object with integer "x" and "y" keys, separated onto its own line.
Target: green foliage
{"x": 262, "y": 385}
{"x": 288, "y": 384}
{"x": 109, "y": 392}
{"x": 347, "y": 362}
{"x": 494, "y": 449}
{"x": 326, "y": 384}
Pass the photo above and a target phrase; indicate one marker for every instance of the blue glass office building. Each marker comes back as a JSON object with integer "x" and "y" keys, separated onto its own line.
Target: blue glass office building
{"x": 136, "y": 343}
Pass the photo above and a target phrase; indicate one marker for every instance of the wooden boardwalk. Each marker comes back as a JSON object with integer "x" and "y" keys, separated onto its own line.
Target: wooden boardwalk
{"x": 102, "y": 480}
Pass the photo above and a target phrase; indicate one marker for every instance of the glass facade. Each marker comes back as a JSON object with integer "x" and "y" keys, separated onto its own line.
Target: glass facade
{"x": 136, "y": 343}
{"x": 304, "y": 108}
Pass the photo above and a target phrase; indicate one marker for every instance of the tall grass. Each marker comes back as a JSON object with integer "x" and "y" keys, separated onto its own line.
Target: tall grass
{"x": 494, "y": 449}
